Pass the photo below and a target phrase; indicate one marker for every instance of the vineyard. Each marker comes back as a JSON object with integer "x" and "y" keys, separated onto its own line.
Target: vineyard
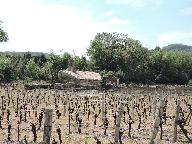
{"x": 132, "y": 115}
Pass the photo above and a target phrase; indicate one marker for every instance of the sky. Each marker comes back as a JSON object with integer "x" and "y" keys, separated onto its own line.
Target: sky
{"x": 69, "y": 25}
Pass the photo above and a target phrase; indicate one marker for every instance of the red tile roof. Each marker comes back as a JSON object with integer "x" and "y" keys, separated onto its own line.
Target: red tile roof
{"x": 84, "y": 75}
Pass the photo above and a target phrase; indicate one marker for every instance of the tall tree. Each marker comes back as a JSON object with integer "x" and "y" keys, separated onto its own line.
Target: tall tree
{"x": 80, "y": 63}
{"x": 118, "y": 53}
{"x": 33, "y": 69}
{"x": 3, "y": 34}
{"x": 5, "y": 69}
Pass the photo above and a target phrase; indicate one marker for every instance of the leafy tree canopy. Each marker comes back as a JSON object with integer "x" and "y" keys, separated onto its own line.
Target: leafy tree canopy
{"x": 3, "y": 34}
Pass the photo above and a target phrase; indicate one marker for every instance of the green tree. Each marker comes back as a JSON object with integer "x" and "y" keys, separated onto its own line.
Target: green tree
{"x": 3, "y": 34}
{"x": 105, "y": 50}
{"x": 33, "y": 70}
{"x": 64, "y": 61}
{"x": 168, "y": 67}
{"x": 58, "y": 63}
{"x": 5, "y": 69}
{"x": 40, "y": 59}
{"x": 18, "y": 66}
{"x": 80, "y": 63}
{"x": 118, "y": 53}
{"x": 46, "y": 71}
{"x": 134, "y": 62}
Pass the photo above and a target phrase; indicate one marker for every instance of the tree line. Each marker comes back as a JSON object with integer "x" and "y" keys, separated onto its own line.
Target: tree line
{"x": 109, "y": 54}
{"x": 129, "y": 60}
{"x": 37, "y": 67}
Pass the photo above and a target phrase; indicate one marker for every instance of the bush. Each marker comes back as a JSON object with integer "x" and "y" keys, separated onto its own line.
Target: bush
{"x": 190, "y": 82}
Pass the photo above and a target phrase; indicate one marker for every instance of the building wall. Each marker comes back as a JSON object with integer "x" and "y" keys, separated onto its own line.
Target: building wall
{"x": 111, "y": 80}
{"x": 95, "y": 83}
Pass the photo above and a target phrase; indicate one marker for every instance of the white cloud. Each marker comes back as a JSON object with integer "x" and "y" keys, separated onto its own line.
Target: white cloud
{"x": 135, "y": 3}
{"x": 34, "y": 26}
{"x": 186, "y": 11}
{"x": 107, "y": 14}
{"x": 174, "y": 37}
{"x": 116, "y": 21}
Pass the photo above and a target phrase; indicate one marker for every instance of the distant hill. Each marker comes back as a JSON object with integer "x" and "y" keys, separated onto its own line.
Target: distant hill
{"x": 179, "y": 48}
{"x": 22, "y": 53}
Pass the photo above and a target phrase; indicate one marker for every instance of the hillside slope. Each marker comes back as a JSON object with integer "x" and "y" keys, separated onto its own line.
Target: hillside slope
{"x": 22, "y": 53}
{"x": 179, "y": 48}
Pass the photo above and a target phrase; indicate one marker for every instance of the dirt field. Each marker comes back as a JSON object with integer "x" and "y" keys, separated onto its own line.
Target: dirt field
{"x": 91, "y": 116}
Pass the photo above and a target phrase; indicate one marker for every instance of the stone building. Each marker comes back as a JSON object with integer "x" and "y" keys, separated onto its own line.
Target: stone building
{"x": 73, "y": 77}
